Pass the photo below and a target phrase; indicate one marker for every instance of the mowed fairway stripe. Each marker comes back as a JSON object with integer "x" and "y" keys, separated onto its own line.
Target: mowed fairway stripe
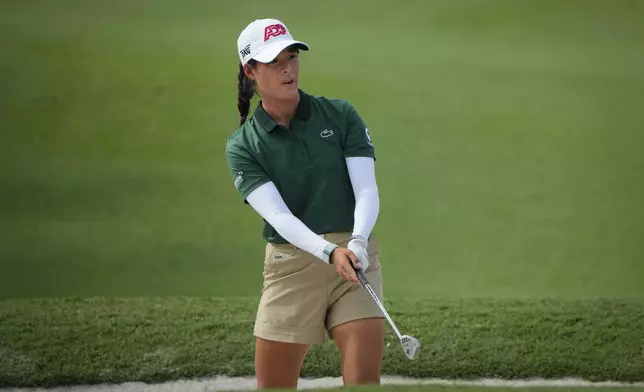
{"x": 508, "y": 137}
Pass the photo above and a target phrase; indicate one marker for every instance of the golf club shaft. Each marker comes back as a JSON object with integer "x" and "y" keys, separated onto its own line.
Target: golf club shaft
{"x": 367, "y": 286}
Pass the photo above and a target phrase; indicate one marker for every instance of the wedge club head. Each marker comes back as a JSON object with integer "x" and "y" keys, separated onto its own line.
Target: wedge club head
{"x": 410, "y": 346}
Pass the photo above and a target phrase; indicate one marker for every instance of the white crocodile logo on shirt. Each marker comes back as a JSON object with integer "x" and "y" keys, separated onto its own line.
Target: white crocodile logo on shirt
{"x": 326, "y": 133}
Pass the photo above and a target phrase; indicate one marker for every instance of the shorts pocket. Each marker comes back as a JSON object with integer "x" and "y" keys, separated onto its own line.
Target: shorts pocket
{"x": 283, "y": 260}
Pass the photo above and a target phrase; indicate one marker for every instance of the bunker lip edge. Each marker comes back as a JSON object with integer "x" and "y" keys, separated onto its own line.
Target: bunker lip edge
{"x": 225, "y": 383}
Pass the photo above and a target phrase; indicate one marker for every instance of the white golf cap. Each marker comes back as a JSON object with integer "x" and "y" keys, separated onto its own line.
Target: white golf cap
{"x": 264, "y": 39}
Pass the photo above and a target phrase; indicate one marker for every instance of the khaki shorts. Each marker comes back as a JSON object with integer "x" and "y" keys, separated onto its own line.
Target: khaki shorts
{"x": 303, "y": 297}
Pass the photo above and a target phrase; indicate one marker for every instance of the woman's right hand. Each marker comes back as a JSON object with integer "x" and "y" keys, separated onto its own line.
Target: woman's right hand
{"x": 341, "y": 259}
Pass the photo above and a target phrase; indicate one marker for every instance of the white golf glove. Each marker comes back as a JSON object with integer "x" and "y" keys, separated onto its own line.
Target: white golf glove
{"x": 358, "y": 245}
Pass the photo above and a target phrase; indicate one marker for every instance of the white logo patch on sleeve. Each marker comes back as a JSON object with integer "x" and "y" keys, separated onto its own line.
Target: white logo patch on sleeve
{"x": 366, "y": 132}
{"x": 239, "y": 179}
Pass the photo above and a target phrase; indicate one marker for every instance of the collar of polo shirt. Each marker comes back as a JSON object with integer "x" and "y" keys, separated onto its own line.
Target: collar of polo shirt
{"x": 268, "y": 124}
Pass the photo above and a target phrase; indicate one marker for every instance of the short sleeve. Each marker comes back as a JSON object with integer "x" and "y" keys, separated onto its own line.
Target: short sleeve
{"x": 247, "y": 174}
{"x": 358, "y": 141}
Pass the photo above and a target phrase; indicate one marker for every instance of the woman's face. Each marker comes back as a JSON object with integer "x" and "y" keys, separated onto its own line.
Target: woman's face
{"x": 279, "y": 78}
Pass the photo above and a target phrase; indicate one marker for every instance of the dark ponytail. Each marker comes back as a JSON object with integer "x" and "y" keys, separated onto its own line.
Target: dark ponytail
{"x": 245, "y": 93}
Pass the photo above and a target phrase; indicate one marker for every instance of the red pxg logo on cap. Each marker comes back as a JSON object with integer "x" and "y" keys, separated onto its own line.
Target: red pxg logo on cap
{"x": 274, "y": 30}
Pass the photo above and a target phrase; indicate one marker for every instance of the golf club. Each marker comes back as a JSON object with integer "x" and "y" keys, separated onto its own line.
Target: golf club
{"x": 410, "y": 344}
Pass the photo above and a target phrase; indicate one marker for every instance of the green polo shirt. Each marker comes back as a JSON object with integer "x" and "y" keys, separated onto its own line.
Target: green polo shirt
{"x": 305, "y": 161}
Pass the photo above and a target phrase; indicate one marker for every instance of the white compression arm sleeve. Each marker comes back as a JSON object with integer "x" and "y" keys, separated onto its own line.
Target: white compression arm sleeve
{"x": 268, "y": 203}
{"x": 363, "y": 180}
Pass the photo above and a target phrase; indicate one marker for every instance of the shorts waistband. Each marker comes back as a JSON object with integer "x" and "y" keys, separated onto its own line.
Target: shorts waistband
{"x": 335, "y": 237}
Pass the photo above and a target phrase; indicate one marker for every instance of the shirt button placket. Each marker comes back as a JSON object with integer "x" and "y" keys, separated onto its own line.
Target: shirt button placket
{"x": 304, "y": 151}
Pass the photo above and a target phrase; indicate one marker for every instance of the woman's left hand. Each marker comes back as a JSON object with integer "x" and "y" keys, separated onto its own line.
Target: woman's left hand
{"x": 358, "y": 245}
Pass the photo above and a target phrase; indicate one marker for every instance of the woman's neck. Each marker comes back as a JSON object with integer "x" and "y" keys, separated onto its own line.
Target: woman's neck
{"x": 281, "y": 111}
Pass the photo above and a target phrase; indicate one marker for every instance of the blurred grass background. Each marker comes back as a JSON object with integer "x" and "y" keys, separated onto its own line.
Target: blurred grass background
{"x": 508, "y": 133}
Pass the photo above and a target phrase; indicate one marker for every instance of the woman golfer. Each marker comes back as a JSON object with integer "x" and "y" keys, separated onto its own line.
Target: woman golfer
{"x": 305, "y": 164}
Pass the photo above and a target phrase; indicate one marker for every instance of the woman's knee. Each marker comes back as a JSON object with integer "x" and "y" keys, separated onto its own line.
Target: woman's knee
{"x": 278, "y": 364}
{"x": 361, "y": 346}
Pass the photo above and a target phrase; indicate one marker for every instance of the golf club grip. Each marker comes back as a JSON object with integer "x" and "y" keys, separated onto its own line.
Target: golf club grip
{"x": 360, "y": 274}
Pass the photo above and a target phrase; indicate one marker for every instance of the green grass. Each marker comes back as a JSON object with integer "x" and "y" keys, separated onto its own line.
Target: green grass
{"x": 508, "y": 135}
{"x": 84, "y": 341}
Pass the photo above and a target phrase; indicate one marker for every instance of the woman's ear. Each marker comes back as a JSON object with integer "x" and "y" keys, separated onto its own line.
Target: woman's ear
{"x": 249, "y": 72}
